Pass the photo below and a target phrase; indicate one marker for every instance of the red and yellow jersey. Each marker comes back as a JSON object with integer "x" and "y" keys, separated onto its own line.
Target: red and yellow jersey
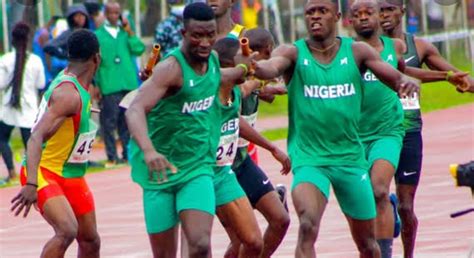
{"x": 66, "y": 152}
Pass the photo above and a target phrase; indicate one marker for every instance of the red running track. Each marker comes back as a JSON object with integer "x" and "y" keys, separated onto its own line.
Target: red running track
{"x": 448, "y": 138}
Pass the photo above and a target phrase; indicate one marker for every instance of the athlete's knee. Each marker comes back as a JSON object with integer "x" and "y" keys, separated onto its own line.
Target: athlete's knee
{"x": 253, "y": 242}
{"x": 281, "y": 221}
{"x": 308, "y": 228}
{"x": 199, "y": 247}
{"x": 405, "y": 209}
{"x": 66, "y": 232}
{"x": 381, "y": 194}
{"x": 368, "y": 247}
{"x": 89, "y": 241}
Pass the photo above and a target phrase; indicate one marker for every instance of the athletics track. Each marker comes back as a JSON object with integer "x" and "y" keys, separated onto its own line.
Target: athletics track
{"x": 448, "y": 138}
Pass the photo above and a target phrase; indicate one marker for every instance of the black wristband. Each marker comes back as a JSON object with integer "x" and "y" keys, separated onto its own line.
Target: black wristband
{"x": 35, "y": 185}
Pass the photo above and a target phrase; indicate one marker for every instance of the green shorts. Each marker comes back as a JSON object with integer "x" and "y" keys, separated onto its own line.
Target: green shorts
{"x": 227, "y": 187}
{"x": 162, "y": 207}
{"x": 352, "y": 187}
{"x": 387, "y": 148}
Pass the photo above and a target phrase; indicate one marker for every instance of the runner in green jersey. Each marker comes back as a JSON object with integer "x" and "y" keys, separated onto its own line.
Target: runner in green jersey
{"x": 57, "y": 154}
{"x": 381, "y": 123}
{"x": 257, "y": 186}
{"x": 234, "y": 209}
{"x": 172, "y": 120}
{"x": 323, "y": 75}
{"x": 418, "y": 51}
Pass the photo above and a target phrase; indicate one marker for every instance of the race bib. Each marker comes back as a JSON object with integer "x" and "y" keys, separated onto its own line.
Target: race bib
{"x": 83, "y": 147}
{"x": 227, "y": 149}
{"x": 411, "y": 103}
{"x": 252, "y": 120}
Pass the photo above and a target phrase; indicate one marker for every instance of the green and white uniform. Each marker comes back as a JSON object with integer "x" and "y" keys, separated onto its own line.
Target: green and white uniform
{"x": 181, "y": 128}
{"x": 381, "y": 124}
{"x": 324, "y": 102}
{"x": 226, "y": 186}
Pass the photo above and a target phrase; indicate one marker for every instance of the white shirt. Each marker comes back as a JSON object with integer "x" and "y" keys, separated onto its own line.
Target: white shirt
{"x": 33, "y": 79}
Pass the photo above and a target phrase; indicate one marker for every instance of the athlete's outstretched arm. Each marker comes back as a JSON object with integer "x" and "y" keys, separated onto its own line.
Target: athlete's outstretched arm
{"x": 166, "y": 76}
{"x": 250, "y": 134}
{"x": 64, "y": 102}
{"x": 368, "y": 58}
{"x": 283, "y": 58}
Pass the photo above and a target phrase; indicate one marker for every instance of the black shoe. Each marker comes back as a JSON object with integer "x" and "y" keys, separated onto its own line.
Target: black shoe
{"x": 281, "y": 190}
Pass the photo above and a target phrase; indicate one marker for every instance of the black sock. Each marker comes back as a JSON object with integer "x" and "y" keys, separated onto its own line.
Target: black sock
{"x": 385, "y": 247}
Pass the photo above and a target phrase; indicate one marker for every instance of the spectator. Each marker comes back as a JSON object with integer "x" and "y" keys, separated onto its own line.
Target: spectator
{"x": 21, "y": 75}
{"x": 77, "y": 18}
{"x": 116, "y": 77}
{"x": 168, "y": 31}
{"x": 41, "y": 37}
{"x": 95, "y": 14}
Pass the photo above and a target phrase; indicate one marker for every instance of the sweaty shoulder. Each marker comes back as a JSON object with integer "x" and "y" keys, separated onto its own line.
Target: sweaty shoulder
{"x": 400, "y": 46}
{"x": 286, "y": 50}
{"x": 168, "y": 72}
{"x": 362, "y": 51}
{"x": 66, "y": 98}
{"x": 424, "y": 48}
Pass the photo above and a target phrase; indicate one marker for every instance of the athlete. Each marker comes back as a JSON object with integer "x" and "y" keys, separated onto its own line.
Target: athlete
{"x": 257, "y": 186}
{"x": 323, "y": 77}
{"x": 381, "y": 123}
{"x": 173, "y": 121}
{"x": 56, "y": 160}
{"x": 407, "y": 176}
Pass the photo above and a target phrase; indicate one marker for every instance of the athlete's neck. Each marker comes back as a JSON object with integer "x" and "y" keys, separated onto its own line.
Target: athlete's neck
{"x": 397, "y": 32}
{"x": 325, "y": 49}
{"x": 81, "y": 72}
{"x": 198, "y": 66}
{"x": 373, "y": 40}
{"x": 224, "y": 24}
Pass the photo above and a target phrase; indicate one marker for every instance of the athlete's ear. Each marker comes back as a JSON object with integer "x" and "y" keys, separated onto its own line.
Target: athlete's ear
{"x": 338, "y": 16}
{"x": 183, "y": 32}
{"x": 403, "y": 10}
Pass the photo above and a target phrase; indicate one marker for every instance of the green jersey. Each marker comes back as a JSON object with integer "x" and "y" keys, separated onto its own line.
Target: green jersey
{"x": 324, "y": 105}
{"x": 411, "y": 106}
{"x": 229, "y": 133}
{"x": 181, "y": 127}
{"x": 382, "y": 112}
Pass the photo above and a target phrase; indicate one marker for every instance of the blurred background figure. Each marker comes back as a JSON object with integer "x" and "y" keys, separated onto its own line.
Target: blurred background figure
{"x": 21, "y": 76}
{"x": 117, "y": 76}
{"x": 250, "y": 12}
{"x": 168, "y": 31}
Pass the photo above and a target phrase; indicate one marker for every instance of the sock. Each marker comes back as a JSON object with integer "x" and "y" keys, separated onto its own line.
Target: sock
{"x": 385, "y": 247}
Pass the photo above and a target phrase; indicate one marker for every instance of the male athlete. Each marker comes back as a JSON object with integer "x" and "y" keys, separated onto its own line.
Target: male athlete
{"x": 381, "y": 123}
{"x": 173, "y": 121}
{"x": 57, "y": 154}
{"x": 254, "y": 181}
{"x": 407, "y": 176}
{"x": 323, "y": 76}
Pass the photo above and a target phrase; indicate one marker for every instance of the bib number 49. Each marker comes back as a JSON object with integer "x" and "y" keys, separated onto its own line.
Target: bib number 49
{"x": 82, "y": 148}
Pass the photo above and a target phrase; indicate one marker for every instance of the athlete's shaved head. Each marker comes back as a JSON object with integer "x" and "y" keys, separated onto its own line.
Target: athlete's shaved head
{"x": 363, "y": 3}
{"x": 387, "y": 3}
{"x": 334, "y": 2}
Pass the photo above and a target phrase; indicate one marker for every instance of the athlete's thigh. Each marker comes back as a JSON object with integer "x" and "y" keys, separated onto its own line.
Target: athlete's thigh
{"x": 361, "y": 230}
{"x": 386, "y": 148}
{"x": 254, "y": 181}
{"x": 59, "y": 214}
{"x": 165, "y": 243}
{"x": 271, "y": 207}
{"x": 353, "y": 189}
{"x": 310, "y": 192}
{"x": 239, "y": 217}
{"x": 87, "y": 226}
{"x": 381, "y": 175}
{"x": 160, "y": 210}
{"x": 409, "y": 168}
{"x": 227, "y": 188}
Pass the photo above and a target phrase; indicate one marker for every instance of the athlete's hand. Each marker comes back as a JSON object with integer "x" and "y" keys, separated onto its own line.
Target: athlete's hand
{"x": 24, "y": 199}
{"x": 460, "y": 80}
{"x": 144, "y": 75}
{"x": 246, "y": 60}
{"x": 408, "y": 87}
{"x": 283, "y": 159}
{"x": 158, "y": 164}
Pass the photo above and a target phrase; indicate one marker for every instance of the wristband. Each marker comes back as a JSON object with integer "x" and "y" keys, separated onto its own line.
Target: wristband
{"x": 244, "y": 66}
{"x": 449, "y": 75}
{"x": 35, "y": 185}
